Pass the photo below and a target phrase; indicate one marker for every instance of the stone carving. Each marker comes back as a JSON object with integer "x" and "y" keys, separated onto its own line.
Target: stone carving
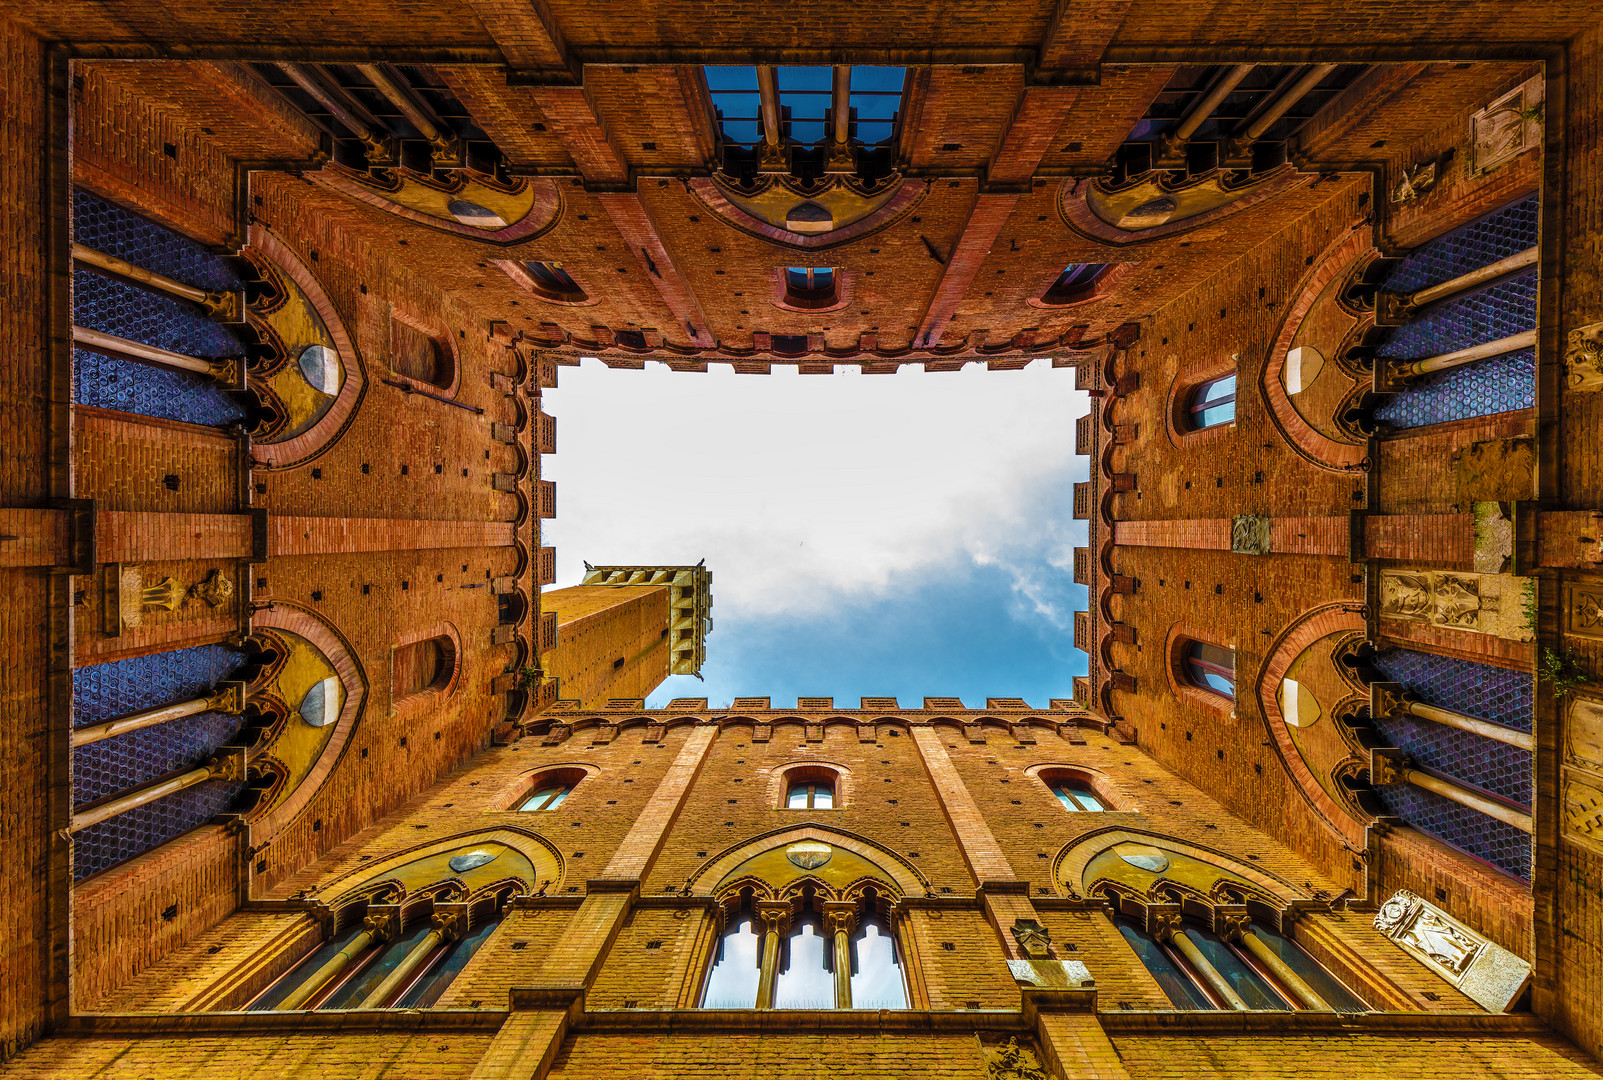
{"x": 1249, "y": 534}
{"x": 809, "y": 854}
{"x": 128, "y": 597}
{"x": 1487, "y": 973}
{"x": 1583, "y": 358}
{"x": 1415, "y": 182}
{"x": 1583, "y": 732}
{"x": 1583, "y": 810}
{"x": 1011, "y": 1061}
{"x": 1033, "y": 938}
{"x": 1583, "y": 609}
{"x": 216, "y": 590}
{"x": 1507, "y": 127}
{"x": 1479, "y": 603}
{"x": 1407, "y": 919}
{"x": 1051, "y": 974}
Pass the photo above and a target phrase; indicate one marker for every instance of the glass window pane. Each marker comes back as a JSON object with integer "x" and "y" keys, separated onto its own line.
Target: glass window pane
{"x": 1065, "y": 796}
{"x": 823, "y": 797}
{"x": 351, "y": 992}
{"x": 1181, "y": 991}
{"x": 880, "y": 107}
{"x": 878, "y": 78}
{"x": 1088, "y": 800}
{"x": 797, "y": 799}
{"x": 745, "y": 132}
{"x": 1312, "y": 972}
{"x": 732, "y": 983}
{"x": 731, "y": 78}
{"x": 823, "y": 279}
{"x": 804, "y": 981}
{"x": 1215, "y": 415}
{"x": 556, "y": 800}
{"x": 538, "y": 800}
{"x": 874, "y": 131}
{"x": 1252, "y": 987}
{"x": 876, "y": 969}
{"x": 293, "y": 978}
{"x": 427, "y": 990}
{"x": 738, "y": 106}
{"x": 805, "y": 78}
{"x": 807, "y": 131}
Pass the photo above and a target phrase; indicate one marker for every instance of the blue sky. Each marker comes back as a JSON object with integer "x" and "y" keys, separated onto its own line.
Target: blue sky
{"x": 902, "y": 535}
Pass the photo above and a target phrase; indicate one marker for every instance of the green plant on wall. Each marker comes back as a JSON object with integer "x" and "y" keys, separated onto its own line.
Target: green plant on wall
{"x": 1528, "y": 603}
{"x": 528, "y": 675}
{"x": 1563, "y": 672}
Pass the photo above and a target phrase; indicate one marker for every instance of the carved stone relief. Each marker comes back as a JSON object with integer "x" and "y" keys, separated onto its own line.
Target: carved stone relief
{"x": 1011, "y": 1060}
{"x": 1582, "y": 793}
{"x": 1583, "y": 358}
{"x": 1583, "y": 609}
{"x": 1479, "y": 603}
{"x": 1033, "y": 938}
{"x": 1249, "y": 534}
{"x": 1583, "y": 809}
{"x": 216, "y": 590}
{"x": 1489, "y": 974}
{"x": 1507, "y": 127}
{"x": 128, "y": 597}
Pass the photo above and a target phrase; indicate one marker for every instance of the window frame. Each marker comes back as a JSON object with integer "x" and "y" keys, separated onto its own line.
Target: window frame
{"x": 1076, "y": 284}
{"x": 1196, "y": 669}
{"x": 1197, "y": 403}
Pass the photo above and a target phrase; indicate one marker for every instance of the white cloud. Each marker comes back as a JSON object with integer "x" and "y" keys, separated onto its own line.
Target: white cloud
{"x": 801, "y": 489}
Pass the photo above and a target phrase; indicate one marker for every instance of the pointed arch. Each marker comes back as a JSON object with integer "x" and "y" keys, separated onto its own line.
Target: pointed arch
{"x": 542, "y": 855}
{"x": 1071, "y": 862}
{"x": 900, "y": 872}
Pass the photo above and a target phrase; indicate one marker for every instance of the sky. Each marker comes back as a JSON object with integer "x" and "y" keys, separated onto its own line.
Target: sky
{"x": 868, "y": 535}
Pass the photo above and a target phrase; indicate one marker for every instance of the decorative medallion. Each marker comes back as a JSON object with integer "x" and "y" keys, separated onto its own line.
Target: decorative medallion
{"x": 472, "y": 860}
{"x": 809, "y": 854}
{"x": 1142, "y": 857}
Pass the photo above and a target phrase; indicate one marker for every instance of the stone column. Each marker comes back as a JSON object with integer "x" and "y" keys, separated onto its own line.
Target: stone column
{"x": 840, "y": 919}
{"x": 377, "y": 928}
{"x": 776, "y": 924}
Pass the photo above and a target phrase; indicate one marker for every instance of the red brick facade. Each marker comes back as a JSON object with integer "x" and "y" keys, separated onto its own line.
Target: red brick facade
{"x": 407, "y": 519}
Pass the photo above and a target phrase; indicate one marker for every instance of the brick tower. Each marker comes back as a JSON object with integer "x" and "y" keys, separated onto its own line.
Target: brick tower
{"x": 627, "y": 628}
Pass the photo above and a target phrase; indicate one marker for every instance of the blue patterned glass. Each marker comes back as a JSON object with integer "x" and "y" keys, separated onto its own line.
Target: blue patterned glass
{"x": 1461, "y": 755}
{"x": 1462, "y": 686}
{"x": 427, "y": 990}
{"x": 109, "y": 228}
{"x": 104, "y": 691}
{"x": 1504, "y": 232}
{"x": 139, "y": 830}
{"x": 1494, "y": 385}
{"x": 1470, "y": 831}
{"x": 111, "y": 765}
{"x": 1176, "y": 985}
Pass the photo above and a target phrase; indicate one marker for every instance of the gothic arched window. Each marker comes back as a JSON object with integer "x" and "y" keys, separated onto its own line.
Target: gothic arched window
{"x": 1253, "y": 968}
